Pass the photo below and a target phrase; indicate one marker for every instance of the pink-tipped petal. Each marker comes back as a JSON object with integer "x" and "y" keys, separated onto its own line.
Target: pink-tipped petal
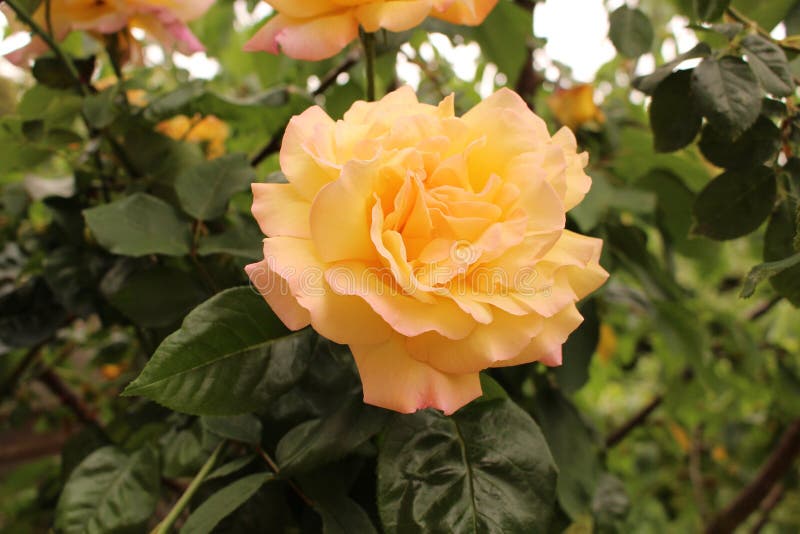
{"x": 307, "y": 39}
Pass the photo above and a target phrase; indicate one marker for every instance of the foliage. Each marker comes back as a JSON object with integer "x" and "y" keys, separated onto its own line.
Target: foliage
{"x": 133, "y": 356}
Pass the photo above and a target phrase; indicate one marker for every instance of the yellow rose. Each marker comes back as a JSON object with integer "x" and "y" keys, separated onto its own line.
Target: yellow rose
{"x": 434, "y": 246}
{"x": 164, "y": 20}
{"x": 575, "y": 107}
{"x": 319, "y": 29}
{"x": 208, "y": 131}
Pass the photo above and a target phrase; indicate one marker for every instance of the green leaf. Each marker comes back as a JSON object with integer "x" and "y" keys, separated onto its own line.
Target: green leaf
{"x": 245, "y": 428}
{"x": 155, "y": 297}
{"x": 770, "y": 65}
{"x": 223, "y": 503}
{"x": 242, "y": 239}
{"x": 486, "y": 468}
{"x": 99, "y": 109}
{"x": 232, "y": 355}
{"x": 763, "y": 271}
{"x": 204, "y": 190}
{"x": 631, "y": 31}
{"x": 329, "y": 438}
{"x": 781, "y": 231}
{"x": 109, "y": 492}
{"x": 727, "y": 93}
{"x": 139, "y": 225}
{"x": 767, "y": 13}
{"x": 674, "y": 117}
{"x": 342, "y": 515}
{"x": 647, "y": 84}
{"x": 182, "y": 452}
{"x": 29, "y": 314}
{"x": 231, "y": 467}
{"x": 757, "y": 146}
{"x": 735, "y": 203}
{"x": 50, "y": 71}
{"x": 710, "y": 9}
{"x": 574, "y": 449}
{"x": 578, "y": 351}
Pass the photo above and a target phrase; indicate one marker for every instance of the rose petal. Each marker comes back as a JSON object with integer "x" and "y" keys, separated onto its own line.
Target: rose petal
{"x": 394, "y": 380}
{"x": 395, "y": 16}
{"x": 307, "y": 39}
{"x": 281, "y": 211}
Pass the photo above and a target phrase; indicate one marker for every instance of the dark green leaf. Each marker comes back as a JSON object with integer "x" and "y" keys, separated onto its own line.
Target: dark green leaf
{"x": 578, "y": 351}
{"x": 182, "y": 452}
{"x": 139, "y": 225}
{"x": 647, "y": 84}
{"x": 756, "y": 146}
{"x": 631, "y": 31}
{"x": 735, "y": 203}
{"x": 486, "y": 468}
{"x": 328, "y": 439}
{"x": 223, "y": 503}
{"x": 50, "y": 71}
{"x": 242, "y": 239}
{"x": 342, "y": 515}
{"x": 710, "y": 9}
{"x": 574, "y": 449}
{"x": 674, "y": 117}
{"x": 770, "y": 65}
{"x": 204, "y": 190}
{"x": 245, "y": 428}
{"x": 781, "y": 231}
{"x": 231, "y": 467}
{"x": 29, "y": 314}
{"x": 674, "y": 204}
{"x": 727, "y": 93}
{"x": 109, "y": 492}
{"x": 231, "y": 355}
{"x": 153, "y": 298}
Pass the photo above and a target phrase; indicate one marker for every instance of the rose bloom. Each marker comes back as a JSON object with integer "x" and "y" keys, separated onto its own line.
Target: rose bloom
{"x": 434, "y": 246}
{"x": 164, "y": 20}
{"x": 320, "y": 29}
{"x": 210, "y": 132}
{"x": 575, "y": 107}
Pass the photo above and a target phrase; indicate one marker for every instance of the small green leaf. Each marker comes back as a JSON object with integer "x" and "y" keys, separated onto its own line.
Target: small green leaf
{"x": 329, "y": 438}
{"x": 486, "y": 468}
{"x": 99, "y": 109}
{"x": 139, "y": 225}
{"x": 763, "y": 271}
{"x": 781, "y": 232}
{"x": 232, "y": 355}
{"x": 110, "y": 492}
{"x": 204, "y": 190}
{"x": 735, "y": 203}
{"x": 245, "y": 428}
{"x": 710, "y": 9}
{"x": 223, "y": 503}
{"x": 770, "y": 65}
{"x": 727, "y": 93}
{"x": 756, "y": 146}
{"x": 674, "y": 117}
{"x": 50, "y": 71}
{"x": 631, "y": 31}
{"x": 231, "y": 467}
{"x": 647, "y": 84}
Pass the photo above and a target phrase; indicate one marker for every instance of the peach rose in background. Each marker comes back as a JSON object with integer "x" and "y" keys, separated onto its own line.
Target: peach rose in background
{"x": 319, "y": 29}
{"x": 164, "y": 20}
{"x": 434, "y": 246}
{"x": 575, "y": 107}
{"x": 210, "y": 132}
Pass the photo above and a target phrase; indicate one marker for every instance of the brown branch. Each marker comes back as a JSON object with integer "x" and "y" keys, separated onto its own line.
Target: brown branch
{"x": 33, "y": 353}
{"x": 272, "y": 465}
{"x": 56, "y": 385}
{"x": 770, "y": 502}
{"x": 638, "y": 418}
{"x": 764, "y": 308}
{"x": 529, "y": 80}
{"x": 696, "y": 473}
{"x": 770, "y": 473}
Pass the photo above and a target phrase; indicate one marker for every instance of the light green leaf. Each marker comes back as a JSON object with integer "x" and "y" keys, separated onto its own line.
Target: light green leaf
{"x": 710, "y": 9}
{"x": 223, "y": 503}
{"x": 139, "y": 225}
{"x": 204, "y": 190}
{"x": 631, "y": 31}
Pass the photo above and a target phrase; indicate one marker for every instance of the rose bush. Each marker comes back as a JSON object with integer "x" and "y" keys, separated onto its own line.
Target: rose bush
{"x": 164, "y": 20}
{"x": 322, "y": 28}
{"x": 434, "y": 246}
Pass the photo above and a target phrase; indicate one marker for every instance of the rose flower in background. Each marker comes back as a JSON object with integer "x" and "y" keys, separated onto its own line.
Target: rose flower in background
{"x": 575, "y": 107}
{"x": 163, "y": 20}
{"x": 322, "y": 28}
{"x": 209, "y": 132}
{"x": 434, "y": 246}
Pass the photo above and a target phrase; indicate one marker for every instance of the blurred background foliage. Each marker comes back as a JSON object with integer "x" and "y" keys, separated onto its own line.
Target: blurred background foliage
{"x": 125, "y": 208}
